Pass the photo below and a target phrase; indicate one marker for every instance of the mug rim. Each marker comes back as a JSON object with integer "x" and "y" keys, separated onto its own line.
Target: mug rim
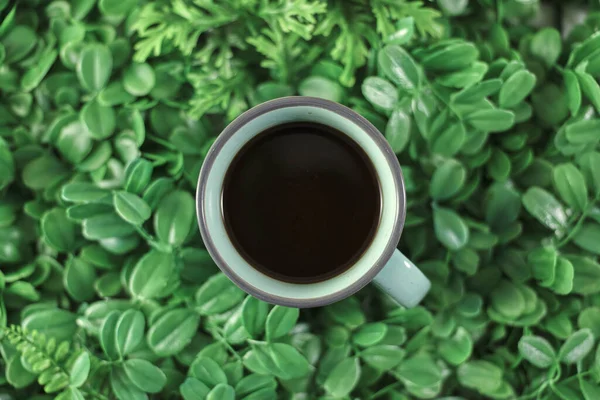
{"x": 365, "y": 126}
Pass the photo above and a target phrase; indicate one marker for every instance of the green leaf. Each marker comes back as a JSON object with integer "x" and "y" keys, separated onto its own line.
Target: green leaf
{"x": 577, "y": 346}
{"x": 381, "y": 93}
{"x": 108, "y": 336}
{"x": 59, "y": 232}
{"x": 175, "y": 218}
{"x": 450, "y": 229}
{"x": 590, "y": 88}
{"x": 508, "y": 299}
{"x": 420, "y": 370}
{"x": 151, "y": 274}
{"x": 43, "y": 172}
{"x": 193, "y": 389}
{"x": 453, "y": 7}
{"x": 116, "y": 7}
{"x": 253, "y": 383}
{"x": 106, "y": 226}
{"x": 492, "y": 120}
{"x": 570, "y": 185}
{"x": 477, "y": 92}
{"x": 80, "y": 370}
{"x": 318, "y": 86}
{"x": 94, "y": 66}
{"x": 545, "y": 208}
{"x": 457, "y": 349}
{"x": 82, "y": 192}
{"x": 78, "y": 279}
{"x": 546, "y": 45}
{"x": 99, "y": 120}
{"x": 516, "y": 88}
{"x": 370, "y": 334}
{"x": 280, "y": 321}
{"x": 563, "y": 280}
{"x": 451, "y": 57}
{"x": 217, "y": 295}
{"x": 397, "y": 130}
{"x": 586, "y": 275}
{"x": 590, "y": 391}
{"x": 343, "y": 378}
{"x": 137, "y": 175}
{"x": 131, "y": 207}
{"x": 404, "y": 33}
{"x": 399, "y": 67}
{"x": 573, "y": 91}
{"x": 588, "y": 237}
{"x": 543, "y": 264}
{"x": 590, "y": 318}
{"x": 139, "y": 79}
{"x": 207, "y": 371}
{"x": 447, "y": 180}
{"x": 254, "y": 316}
{"x": 173, "y": 331}
{"x": 146, "y": 376}
{"x": 583, "y": 132}
{"x": 537, "y": 351}
{"x": 383, "y": 357}
{"x": 123, "y": 387}
{"x": 289, "y": 360}
{"x": 480, "y": 375}
{"x": 221, "y": 392}
{"x": 129, "y": 332}
{"x": 590, "y": 166}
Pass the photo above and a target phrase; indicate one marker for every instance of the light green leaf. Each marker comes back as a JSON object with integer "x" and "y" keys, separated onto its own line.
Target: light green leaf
{"x": 151, "y": 274}
{"x": 583, "y": 132}
{"x": 577, "y": 346}
{"x": 570, "y": 185}
{"x": 480, "y": 375}
{"x": 129, "y": 331}
{"x": 217, "y": 295}
{"x": 146, "y": 376}
{"x": 94, "y": 66}
{"x": 207, "y": 371}
{"x": 399, "y": 67}
{"x": 537, "y": 351}
{"x": 173, "y": 331}
{"x": 131, "y": 207}
{"x": 383, "y": 357}
{"x": 545, "y": 208}
{"x": 381, "y": 93}
{"x": 343, "y": 378}
{"x": 516, "y": 88}
{"x": 80, "y": 370}
{"x": 370, "y": 334}
{"x": 280, "y": 321}
{"x": 450, "y": 229}
{"x": 447, "y": 180}
{"x": 492, "y": 120}
{"x": 546, "y": 45}
{"x": 175, "y": 218}
{"x": 254, "y": 315}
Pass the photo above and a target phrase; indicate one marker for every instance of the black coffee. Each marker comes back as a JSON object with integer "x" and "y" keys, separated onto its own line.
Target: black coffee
{"x": 301, "y": 202}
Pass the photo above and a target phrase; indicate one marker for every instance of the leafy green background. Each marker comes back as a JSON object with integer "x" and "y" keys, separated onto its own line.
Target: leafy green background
{"x": 108, "y": 107}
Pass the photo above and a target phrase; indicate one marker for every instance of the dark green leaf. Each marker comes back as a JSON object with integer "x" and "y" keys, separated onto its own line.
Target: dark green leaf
{"x": 254, "y": 316}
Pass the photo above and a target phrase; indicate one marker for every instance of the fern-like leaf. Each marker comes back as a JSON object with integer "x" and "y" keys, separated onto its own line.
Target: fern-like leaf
{"x": 292, "y": 16}
{"x": 179, "y": 23}
{"x": 42, "y": 357}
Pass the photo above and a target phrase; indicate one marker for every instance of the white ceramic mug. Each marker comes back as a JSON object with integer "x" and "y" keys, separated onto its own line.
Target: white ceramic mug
{"x": 381, "y": 262}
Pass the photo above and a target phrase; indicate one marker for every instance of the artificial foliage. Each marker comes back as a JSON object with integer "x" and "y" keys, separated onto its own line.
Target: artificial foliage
{"x": 108, "y": 107}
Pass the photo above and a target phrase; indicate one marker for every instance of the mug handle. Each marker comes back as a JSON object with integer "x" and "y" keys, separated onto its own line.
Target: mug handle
{"x": 402, "y": 280}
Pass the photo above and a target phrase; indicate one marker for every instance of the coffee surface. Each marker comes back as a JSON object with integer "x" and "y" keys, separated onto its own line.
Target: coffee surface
{"x": 301, "y": 202}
